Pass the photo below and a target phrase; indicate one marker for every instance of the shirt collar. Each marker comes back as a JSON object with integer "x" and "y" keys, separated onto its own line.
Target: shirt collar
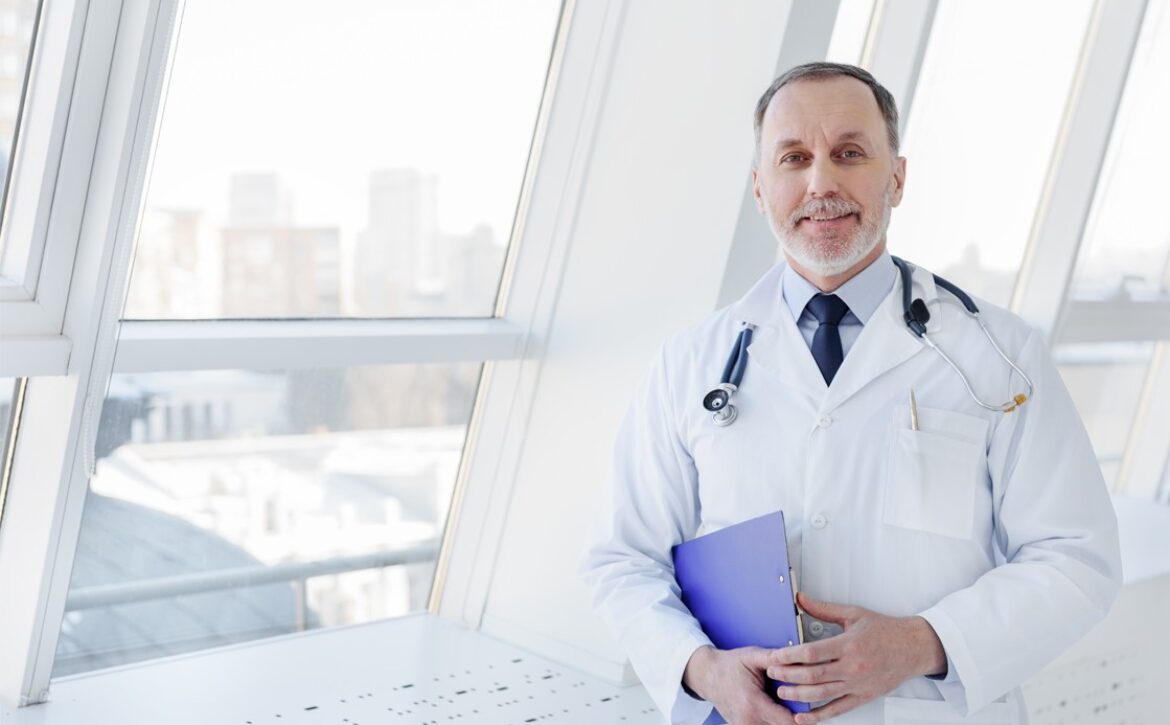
{"x": 863, "y": 293}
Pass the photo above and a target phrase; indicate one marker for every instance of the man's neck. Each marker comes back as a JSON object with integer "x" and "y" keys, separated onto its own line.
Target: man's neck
{"x": 832, "y": 282}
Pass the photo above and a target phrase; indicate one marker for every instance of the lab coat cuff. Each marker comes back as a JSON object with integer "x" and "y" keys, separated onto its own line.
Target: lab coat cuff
{"x": 961, "y": 687}
{"x": 687, "y": 708}
{"x": 947, "y": 676}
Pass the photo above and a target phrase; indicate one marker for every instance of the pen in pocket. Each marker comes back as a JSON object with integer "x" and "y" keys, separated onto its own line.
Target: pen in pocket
{"x": 913, "y": 411}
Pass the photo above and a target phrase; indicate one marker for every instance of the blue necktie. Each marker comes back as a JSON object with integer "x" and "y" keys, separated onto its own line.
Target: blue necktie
{"x": 826, "y": 342}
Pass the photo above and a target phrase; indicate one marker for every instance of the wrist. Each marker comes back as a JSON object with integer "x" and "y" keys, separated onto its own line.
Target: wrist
{"x": 932, "y": 657}
{"x": 696, "y": 669}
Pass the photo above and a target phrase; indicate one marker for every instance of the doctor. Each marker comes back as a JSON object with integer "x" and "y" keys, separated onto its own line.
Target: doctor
{"x": 942, "y": 560}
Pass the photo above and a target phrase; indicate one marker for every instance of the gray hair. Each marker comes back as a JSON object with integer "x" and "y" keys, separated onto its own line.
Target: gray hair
{"x": 821, "y": 71}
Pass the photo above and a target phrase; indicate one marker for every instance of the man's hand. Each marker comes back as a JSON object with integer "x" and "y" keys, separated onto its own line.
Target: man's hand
{"x": 873, "y": 655}
{"x": 733, "y": 681}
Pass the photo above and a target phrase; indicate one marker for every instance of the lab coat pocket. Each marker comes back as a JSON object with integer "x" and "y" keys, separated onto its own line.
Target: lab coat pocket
{"x": 910, "y": 711}
{"x": 932, "y": 482}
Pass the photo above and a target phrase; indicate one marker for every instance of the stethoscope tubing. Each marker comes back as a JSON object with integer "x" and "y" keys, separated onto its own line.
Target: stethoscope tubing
{"x": 914, "y": 313}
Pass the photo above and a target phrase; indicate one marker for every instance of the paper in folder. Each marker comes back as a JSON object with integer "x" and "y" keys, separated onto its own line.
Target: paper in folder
{"x": 737, "y": 582}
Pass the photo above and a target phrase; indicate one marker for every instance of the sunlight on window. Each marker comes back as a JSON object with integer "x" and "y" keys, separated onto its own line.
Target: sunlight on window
{"x": 361, "y": 158}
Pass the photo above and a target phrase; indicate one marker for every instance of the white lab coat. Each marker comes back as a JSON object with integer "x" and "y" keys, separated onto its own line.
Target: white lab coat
{"x": 996, "y": 528}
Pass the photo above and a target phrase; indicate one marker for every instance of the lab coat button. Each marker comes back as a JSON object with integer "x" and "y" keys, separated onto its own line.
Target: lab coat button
{"x": 825, "y": 421}
{"x": 819, "y": 521}
{"x": 816, "y": 628}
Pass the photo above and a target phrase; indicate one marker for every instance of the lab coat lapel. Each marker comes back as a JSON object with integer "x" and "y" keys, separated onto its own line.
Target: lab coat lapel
{"x": 885, "y": 342}
{"x": 777, "y": 345}
{"x": 781, "y": 350}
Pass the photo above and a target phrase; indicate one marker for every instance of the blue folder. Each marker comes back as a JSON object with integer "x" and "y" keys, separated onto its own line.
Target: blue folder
{"x": 737, "y": 582}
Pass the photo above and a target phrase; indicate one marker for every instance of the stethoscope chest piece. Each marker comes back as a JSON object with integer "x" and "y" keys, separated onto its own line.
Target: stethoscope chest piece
{"x": 718, "y": 401}
{"x": 726, "y": 416}
{"x": 718, "y": 398}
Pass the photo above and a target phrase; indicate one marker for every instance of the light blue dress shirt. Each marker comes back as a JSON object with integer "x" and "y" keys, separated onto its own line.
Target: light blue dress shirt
{"x": 863, "y": 293}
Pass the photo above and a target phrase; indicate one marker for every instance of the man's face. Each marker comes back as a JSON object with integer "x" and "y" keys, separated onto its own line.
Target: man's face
{"x": 825, "y": 176}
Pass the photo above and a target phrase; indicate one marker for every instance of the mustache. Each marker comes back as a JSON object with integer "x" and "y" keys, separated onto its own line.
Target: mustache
{"x": 831, "y": 206}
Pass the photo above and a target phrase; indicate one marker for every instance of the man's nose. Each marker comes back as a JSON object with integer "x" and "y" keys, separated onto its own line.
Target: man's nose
{"x": 822, "y": 179}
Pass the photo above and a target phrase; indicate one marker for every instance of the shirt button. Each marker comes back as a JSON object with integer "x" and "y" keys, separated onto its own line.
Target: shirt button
{"x": 825, "y": 421}
{"x": 816, "y": 628}
{"x": 819, "y": 521}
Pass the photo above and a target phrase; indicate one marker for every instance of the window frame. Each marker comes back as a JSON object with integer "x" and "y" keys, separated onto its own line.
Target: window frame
{"x": 70, "y": 370}
{"x": 1046, "y": 270}
{"x": 51, "y": 168}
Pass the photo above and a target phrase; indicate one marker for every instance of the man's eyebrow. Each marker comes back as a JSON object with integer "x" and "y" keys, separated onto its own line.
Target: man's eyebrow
{"x": 852, "y": 136}
{"x": 859, "y": 136}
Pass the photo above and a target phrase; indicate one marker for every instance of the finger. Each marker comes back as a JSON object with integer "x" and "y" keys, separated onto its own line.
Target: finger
{"x": 807, "y": 674}
{"x": 756, "y": 657}
{"x": 811, "y": 653}
{"x": 765, "y": 710}
{"x": 812, "y": 693}
{"x": 826, "y": 611}
{"x": 833, "y": 709}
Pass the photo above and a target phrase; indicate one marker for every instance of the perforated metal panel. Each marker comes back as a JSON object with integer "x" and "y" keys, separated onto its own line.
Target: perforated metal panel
{"x": 1118, "y": 673}
{"x": 511, "y": 691}
{"x": 417, "y": 670}
{"x": 1115, "y": 688}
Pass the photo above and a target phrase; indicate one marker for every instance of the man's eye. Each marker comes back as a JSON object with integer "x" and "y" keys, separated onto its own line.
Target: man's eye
{"x": 791, "y": 159}
{"x": 851, "y": 154}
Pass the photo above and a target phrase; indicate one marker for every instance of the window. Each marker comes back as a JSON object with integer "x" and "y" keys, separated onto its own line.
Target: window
{"x": 850, "y": 31}
{"x": 980, "y": 136}
{"x": 331, "y": 166}
{"x": 1125, "y": 254}
{"x": 232, "y": 504}
{"x": 340, "y": 164}
{"x": 1116, "y": 320}
{"x": 17, "y": 21}
{"x": 10, "y": 392}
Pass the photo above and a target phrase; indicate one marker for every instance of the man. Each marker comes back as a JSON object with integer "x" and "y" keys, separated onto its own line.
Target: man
{"x": 942, "y": 560}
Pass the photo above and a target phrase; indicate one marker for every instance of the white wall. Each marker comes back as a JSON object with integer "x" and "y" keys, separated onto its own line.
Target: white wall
{"x": 647, "y": 258}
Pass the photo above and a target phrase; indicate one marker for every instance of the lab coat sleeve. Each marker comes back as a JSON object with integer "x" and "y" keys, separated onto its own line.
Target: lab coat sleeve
{"x": 1057, "y": 532}
{"x": 628, "y": 566}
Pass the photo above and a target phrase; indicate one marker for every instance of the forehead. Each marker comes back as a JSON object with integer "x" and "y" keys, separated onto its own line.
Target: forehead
{"x": 823, "y": 107}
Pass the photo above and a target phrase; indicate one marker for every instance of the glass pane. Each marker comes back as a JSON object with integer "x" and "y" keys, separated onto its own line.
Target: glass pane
{"x": 7, "y": 394}
{"x": 1125, "y": 254}
{"x": 18, "y": 18}
{"x": 362, "y": 158}
{"x": 1106, "y": 383}
{"x": 233, "y": 505}
{"x": 7, "y": 399}
{"x": 850, "y": 31}
{"x": 980, "y": 136}
{"x": 1122, "y": 276}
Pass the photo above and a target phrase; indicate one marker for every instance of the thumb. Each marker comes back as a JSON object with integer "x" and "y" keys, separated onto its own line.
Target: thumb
{"x": 825, "y": 611}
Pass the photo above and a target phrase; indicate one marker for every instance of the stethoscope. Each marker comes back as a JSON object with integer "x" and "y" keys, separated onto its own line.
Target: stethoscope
{"x": 914, "y": 313}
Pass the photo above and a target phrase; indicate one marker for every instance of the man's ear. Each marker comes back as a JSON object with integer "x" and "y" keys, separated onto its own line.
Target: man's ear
{"x": 756, "y": 191}
{"x": 899, "y": 180}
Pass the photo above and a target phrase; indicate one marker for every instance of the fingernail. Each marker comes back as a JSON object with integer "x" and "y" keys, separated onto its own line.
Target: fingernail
{"x": 782, "y": 693}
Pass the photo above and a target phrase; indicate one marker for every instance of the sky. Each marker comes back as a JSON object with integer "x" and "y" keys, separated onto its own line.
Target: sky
{"x": 325, "y": 92}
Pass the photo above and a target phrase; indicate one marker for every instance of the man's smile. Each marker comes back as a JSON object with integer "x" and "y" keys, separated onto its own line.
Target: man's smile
{"x": 829, "y": 221}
